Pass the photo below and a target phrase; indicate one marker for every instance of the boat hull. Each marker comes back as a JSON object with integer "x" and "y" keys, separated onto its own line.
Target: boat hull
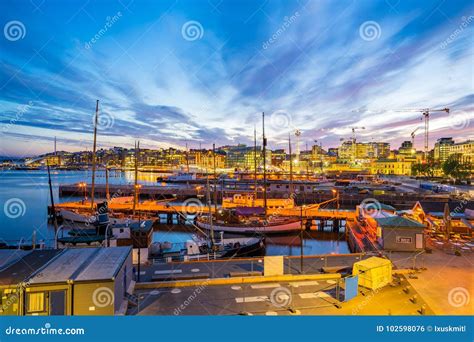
{"x": 252, "y": 229}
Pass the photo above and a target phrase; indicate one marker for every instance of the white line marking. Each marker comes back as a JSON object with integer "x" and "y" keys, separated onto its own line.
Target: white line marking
{"x": 304, "y": 283}
{"x": 264, "y": 286}
{"x": 168, "y": 271}
{"x": 251, "y": 299}
{"x": 314, "y": 295}
{"x": 271, "y": 313}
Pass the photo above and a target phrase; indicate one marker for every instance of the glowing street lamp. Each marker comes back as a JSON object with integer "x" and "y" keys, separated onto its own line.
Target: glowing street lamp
{"x": 83, "y": 186}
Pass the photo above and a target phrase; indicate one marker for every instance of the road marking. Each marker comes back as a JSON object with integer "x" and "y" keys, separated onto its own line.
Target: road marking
{"x": 141, "y": 272}
{"x": 331, "y": 281}
{"x": 236, "y": 287}
{"x": 154, "y": 292}
{"x": 168, "y": 271}
{"x": 264, "y": 286}
{"x": 271, "y": 313}
{"x": 314, "y": 295}
{"x": 251, "y": 299}
{"x": 195, "y": 270}
{"x": 304, "y": 283}
{"x": 175, "y": 291}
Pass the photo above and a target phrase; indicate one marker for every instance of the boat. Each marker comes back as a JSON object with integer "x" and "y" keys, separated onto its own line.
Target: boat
{"x": 181, "y": 177}
{"x": 199, "y": 249}
{"x": 252, "y": 225}
{"x": 251, "y": 218}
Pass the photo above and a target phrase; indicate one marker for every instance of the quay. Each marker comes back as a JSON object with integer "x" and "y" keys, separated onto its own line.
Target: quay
{"x": 399, "y": 199}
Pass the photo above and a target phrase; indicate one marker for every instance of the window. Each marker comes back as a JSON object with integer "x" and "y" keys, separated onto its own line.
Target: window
{"x": 35, "y": 302}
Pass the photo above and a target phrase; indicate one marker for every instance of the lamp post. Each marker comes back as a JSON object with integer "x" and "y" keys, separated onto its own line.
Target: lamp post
{"x": 301, "y": 239}
{"x": 83, "y": 186}
{"x": 336, "y": 195}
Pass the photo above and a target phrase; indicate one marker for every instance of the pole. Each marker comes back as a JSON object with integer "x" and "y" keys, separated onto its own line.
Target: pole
{"x": 53, "y": 209}
{"x": 135, "y": 197}
{"x": 291, "y": 164}
{"x": 301, "y": 238}
{"x": 93, "y": 154}
{"x": 187, "y": 158}
{"x": 264, "y": 166}
{"x": 107, "y": 192}
{"x": 215, "y": 176}
{"x": 255, "y": 160}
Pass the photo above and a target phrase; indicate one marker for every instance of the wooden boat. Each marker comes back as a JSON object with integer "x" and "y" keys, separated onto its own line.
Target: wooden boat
{"x": 260, "y": 226}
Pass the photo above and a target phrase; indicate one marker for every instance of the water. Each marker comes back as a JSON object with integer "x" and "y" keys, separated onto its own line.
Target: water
{"x": 24, "y": 197}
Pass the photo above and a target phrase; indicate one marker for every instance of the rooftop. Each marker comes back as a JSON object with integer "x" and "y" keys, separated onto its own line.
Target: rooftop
{"x": 398, "y": 221}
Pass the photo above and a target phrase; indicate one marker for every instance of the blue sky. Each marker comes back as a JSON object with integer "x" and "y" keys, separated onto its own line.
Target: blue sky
{"x": 171, "y": 72}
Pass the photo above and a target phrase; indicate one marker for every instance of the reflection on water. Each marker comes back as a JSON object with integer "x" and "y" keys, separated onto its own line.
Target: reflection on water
{"x": 31, "y": 189}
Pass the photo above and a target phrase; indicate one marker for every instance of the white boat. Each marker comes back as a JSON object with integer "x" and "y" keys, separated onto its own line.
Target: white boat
{"x": 77, "y": 217}
{"x": 274, "y": 225}
{"x": 182, "y": 177}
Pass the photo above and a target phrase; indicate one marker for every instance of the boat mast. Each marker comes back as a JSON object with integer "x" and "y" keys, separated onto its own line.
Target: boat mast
{"x": 53, "y": 209}
{"x": 291, "y": 164}
{"x": 209, "y": 207}
{"x": 187, "y": 158}
{"x": 107, "y": 191}
{"x": 215, "y": 176}
{"x": 255, "y": 160}
{"x": 264, "y": 166}
{"x": 93, "y": 154}
{"x": 135, "y": 197}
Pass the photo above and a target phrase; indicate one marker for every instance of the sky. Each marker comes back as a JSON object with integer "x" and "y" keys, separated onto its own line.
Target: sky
{"x": 171, "y": 73}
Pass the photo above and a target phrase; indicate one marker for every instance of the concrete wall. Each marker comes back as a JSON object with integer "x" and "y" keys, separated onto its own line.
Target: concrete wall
{"x": 401, "y": 239}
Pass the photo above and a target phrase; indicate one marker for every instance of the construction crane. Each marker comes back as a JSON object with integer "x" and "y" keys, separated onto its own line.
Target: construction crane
{"x": 426, "y": 115}
{"x": 412, "y": 134}
{"x": 297, "y": 135}
{"x": 354, "y": 148}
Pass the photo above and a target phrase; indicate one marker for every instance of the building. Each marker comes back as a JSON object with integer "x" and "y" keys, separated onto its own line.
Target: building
{"x": 243, "y": 156}
{"x": 400, "y": 165}
{"x": 442, "y": 149}
{"x": 363, "y": 151}
{"x": 396, "y": 233}
{"x": 75, "y": 281}
{"x": 406, "y": 148}
{"x": 465, "y": 151}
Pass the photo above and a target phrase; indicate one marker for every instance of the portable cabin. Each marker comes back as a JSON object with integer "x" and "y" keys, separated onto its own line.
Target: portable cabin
{"x": 396, "y": 233}
{"x": 76, "y": 281}
{"x": 16, "y": 266}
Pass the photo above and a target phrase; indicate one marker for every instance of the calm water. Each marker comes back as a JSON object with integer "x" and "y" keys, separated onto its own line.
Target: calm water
{"x": 24, "y": 196}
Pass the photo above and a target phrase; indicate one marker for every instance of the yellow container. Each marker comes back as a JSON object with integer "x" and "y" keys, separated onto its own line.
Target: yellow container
{"x": 373, "y": 272}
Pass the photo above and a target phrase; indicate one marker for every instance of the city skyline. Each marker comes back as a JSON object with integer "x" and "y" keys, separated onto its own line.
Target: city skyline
{"x": 219, "y": 66}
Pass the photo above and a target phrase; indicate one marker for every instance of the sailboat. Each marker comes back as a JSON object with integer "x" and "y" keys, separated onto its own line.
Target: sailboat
{"x": 250, "y": 220}
{"x": 210, "y": 247}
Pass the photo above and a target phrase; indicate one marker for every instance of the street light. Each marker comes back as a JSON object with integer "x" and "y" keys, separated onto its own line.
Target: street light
{"x": 83, "y": 185}
{"x": 336, "y": 195}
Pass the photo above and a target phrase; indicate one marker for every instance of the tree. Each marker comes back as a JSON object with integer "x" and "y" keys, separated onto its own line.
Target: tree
{"x": 453, "y": 167}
